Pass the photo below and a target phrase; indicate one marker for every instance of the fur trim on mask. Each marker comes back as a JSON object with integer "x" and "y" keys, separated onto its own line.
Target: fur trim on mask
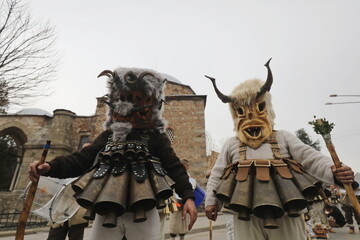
{"x": 120, "y": 131}
{"x": 245, "y": 94}
{"x": 123, "y": 108}
{"x": 151, "y": 85}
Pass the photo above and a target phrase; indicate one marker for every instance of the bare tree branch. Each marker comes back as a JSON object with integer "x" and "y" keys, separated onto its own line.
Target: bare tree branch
{"x": 28, "y": 60}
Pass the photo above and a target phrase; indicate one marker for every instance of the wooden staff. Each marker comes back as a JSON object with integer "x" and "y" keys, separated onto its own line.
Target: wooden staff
{"x": 210, "y": 230}
{"x": 322, "y": 127}
{"x": 29, "y": 198}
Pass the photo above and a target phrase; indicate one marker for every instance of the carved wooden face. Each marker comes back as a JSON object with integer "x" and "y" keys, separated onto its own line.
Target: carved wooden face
{"x": 253, "y": 123}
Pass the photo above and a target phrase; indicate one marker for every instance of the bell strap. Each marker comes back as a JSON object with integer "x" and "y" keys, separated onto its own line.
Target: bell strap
{"x": 104, "y": 166}
{"x": 262, "y": 167}
{"x": 227, "y": 170}
{"x": 294, "y": 165}
{"x": 139, "y": 171}
{"x": 273, "y": 144}
{"x": 119, "y": 167}
{"x": 281, "y": 168}
{"x": 156, "y": 165}
{"x": 242, "y": 152}
{"x": 243, "y": 170}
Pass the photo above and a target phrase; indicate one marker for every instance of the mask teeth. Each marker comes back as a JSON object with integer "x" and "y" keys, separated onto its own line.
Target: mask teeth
{"x": 254, "y": 132}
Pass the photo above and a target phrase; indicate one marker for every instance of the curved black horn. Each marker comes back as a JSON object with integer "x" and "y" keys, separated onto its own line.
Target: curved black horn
{"x": 107, "y": 73}
{"x": 267, "y": 85}
{"x": 223, "y": 98}
{"x": 130, "y": 77}
{"x": 143, "y": 74}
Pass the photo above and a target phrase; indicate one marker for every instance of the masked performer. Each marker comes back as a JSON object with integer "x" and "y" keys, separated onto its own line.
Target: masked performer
{"x": 264, "y": 176}
{"x": 130, "y": 168}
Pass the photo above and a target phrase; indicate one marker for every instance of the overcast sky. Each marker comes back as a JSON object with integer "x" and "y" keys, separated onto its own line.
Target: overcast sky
{"x": 314, "y": 45}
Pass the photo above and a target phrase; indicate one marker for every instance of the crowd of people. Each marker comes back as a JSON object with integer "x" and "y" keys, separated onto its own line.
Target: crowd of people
{"x": 331, "y": 210}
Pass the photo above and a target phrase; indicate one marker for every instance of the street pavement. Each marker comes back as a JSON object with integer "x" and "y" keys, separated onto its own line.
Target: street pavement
{"x": 200, "y": 231}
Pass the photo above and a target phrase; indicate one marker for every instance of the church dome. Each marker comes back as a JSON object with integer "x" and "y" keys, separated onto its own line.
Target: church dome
{"x": 171, "y": 78}
{"x": 33, "y": 111}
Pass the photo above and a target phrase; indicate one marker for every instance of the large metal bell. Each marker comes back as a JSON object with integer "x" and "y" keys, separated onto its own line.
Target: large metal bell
{"x": 266, "y": 203}
{"x": 139, "y": 215}
{"x": 313, "y": 180}
{"x": 242, "y": 198}
{"x": 113, "y": 198}
{"x": 307, "y": 188}
{"x": 170, "y": 182}
{"x": 110, "y": 220}
{"x": 88, "y": 196}
{"x": 225, "y": 188}
{"x": 79, "y": 184}
{"x": 159, "y": 185}
{"x": 89, "y": 214}
{"x": 161, "y": 204}
{"x": 292, "y": 199}
{"x": 141, "y": 198}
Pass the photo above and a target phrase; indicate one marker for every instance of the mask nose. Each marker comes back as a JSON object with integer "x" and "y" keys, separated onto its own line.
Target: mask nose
{"x": 250, "y": 115}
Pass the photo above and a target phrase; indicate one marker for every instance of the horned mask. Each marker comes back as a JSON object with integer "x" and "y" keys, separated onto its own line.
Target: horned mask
{"x": 135, "y": 98}
{"x": 251, "y": 109}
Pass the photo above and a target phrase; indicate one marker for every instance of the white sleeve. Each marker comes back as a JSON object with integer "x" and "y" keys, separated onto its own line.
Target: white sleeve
{"x": 314, "y": 162}
{"x": 221, "y": 162}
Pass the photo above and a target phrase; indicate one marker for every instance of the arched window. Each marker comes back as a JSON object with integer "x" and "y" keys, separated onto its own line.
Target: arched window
{"x": 10, "y": 159}
{"x": 83, "y": 139}
{"x": 170, "y": 134}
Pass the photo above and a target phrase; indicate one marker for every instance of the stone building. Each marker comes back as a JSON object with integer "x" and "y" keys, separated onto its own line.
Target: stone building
{"x": 29, "y": 130}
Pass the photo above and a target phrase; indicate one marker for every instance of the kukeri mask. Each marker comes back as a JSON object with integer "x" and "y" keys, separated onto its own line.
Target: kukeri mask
{"x": 135, "y": 96}
{"x": 252, "y": 123}
{"x": 250, "y": 106}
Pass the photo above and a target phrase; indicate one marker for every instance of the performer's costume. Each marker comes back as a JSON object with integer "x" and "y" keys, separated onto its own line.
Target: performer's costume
{"x": 263, "y": 175}
{"x": 130, "y": 169}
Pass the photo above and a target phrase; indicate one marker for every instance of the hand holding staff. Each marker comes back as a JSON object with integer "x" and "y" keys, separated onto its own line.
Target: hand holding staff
{"x": 323, "y": 127}
{"x": 29, "y": 198}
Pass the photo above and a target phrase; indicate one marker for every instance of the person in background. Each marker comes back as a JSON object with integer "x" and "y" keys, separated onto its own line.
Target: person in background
{"x": 178, "y": 224}
{"x": 333, "y": 212}
{"x": 335, "y": 194}
{"x": 309, "y": 227}
{"x": 163, "y": 214}
{"x": 317, "y": 214}
{"x": 74, "y": 227}
{"x": 348, "y": 209}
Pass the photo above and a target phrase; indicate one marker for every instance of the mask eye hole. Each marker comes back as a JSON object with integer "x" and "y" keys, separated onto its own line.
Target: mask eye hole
{"x": 261, "y": 106}
{"x": 239, "y": 110}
